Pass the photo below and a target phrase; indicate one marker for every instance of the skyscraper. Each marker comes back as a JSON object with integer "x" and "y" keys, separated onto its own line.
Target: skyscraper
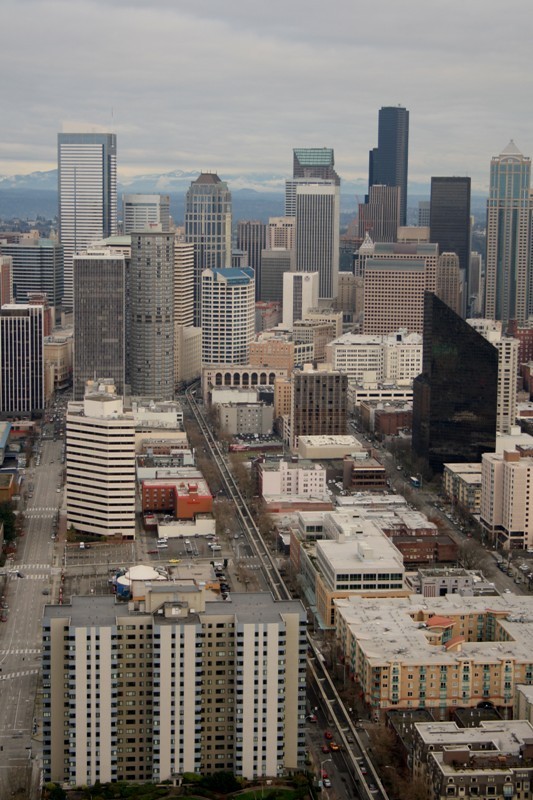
{"x": 37, "y": 267}
{"x": 449, "y": 221}
{"x": 319, "y": 402}
{"x": 140, "y": 211}
{"x": 388, "y": 163}
{"x": 507, "y": 278}
{"x": 99, "y": 319}
{"x": 455, "y": 397}
{"x": 314, "y": 162}
{"x": 380, "y": 215}
{"x": 152, "y": 314}
{"x": 6, "y": 279}
{"x": 251, "y": 238}
{"x": 317, "y": 232}
{"x": 228, "y": 315}
{"x": 21, "y": 360}
{"x": 208, "y": 227}
{"x": 87, "y": 185}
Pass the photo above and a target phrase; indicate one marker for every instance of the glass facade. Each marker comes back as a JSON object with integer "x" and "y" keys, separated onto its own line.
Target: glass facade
{"x": 455, "y": 397}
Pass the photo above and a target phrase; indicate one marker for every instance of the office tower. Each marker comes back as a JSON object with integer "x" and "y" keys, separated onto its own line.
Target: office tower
{"x": 300, "y": 293}
{"x": 99, "y": 319}
{"x": 317, "y": 233}
{"x": 380, "y": 215}
{"x": 256, "y": 704}
{"x": 100, "y": 462}
{"x": 507, "y": 279}
{"x": 37, "y": 267}
{"x": 449, "y": 284}
{"x": 280, "y": 233}
{"x": 449, "y": 222}
{"x": 208, "y": 227}
{"x": 228, "y": 315}
{"x": 142, "y": 211}
{"x": 424, "y": 213}
{"x": 87, "y": 185}
{"x": 394, "y": 295}
{"x": 21, "y": 360}
{"x": 187, "y": 338}
{"x": 239, "y": 259}
{"x": 319, "y": 403}
{"x": 251, "y": 238}
{"x": 274, "y": 264}
{"x": 6, "y": 279}
{"x": 455, "y": 397}
{"x": 475, "y": 284}
{"x": 314, "y": 162}
{"x": 388, "y": 163}
{"x": 152, "y": 314}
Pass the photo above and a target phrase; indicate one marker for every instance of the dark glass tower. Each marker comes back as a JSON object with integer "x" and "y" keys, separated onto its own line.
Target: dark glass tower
{"x": 389, "y": 161}
{"x": 455, "y": 397}
{"x": 449, "y": 218}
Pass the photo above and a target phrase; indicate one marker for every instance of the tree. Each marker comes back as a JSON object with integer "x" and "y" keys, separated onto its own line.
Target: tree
{"x": 8, "y": 517}
{"x": 472, "y": 555}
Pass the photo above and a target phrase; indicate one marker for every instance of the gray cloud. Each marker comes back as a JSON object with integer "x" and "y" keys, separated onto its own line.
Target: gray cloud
{"x": 234, "y": 86}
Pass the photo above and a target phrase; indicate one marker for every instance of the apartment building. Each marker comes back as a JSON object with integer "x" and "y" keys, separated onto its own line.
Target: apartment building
{"x": 282, "y": 477}
{"x": 462, "y": 485}
{"x": 506, "y": 491}
{"x": 437, "y": 653}
{"x": 171, "y": 683}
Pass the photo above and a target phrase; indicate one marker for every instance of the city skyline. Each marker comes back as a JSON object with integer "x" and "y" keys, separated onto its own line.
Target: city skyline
{"x": 271, "y": 80}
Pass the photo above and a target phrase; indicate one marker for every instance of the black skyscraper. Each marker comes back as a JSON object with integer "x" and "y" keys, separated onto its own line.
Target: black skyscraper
{"x": 450, "y": 218}
{"x": 388, "y": 162}
{"x": 455, "y": 397}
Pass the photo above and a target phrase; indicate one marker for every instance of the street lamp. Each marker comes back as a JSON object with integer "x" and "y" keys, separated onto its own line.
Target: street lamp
{"x": 325, "y": 761}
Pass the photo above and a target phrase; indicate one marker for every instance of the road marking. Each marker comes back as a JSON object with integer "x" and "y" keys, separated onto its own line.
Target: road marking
{"x": 21, "y": 674}
{"x": 19, "y": 652}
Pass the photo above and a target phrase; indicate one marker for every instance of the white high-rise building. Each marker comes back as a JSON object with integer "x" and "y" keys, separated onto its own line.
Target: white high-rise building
{"x": 507, "y": 348}
{"x": 142, "y": 211}
{"x": 189, "y": 684}
{"x": 228, "y": 315}
{"x": 101, "y": 465}
{"x": 317, "y": 232}
{"x": 87, "y": 184}
{"x": 187, "y": 338}
{"x": 506, "y": 491}
{"x": 300, "y": 294}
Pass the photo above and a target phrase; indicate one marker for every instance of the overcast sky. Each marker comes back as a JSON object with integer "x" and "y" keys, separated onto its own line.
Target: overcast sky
{"x": 234, "y": 85}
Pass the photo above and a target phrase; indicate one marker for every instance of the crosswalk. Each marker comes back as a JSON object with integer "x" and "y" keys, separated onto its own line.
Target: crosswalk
{"x": 30, "y": 567}
{"x": 9, "y": 676}
{"x": 40, "y": 511}
{"x": 20, "y": 652}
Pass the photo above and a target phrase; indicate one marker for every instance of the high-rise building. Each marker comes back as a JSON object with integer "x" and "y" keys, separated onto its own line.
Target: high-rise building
{"x": 99, "y": 319}
{"x": 380, "y": 215}
{"x": 508, "y": 362}
{"x": 300, "y": 293}
{"x": 87, "y": 183}
{"x": 507, "y": 272}
{"x": 251, "y": 238}
{"x": 274, "y": 264}
{"x": 151, "y": 313}
{"x": 187, "y": 338}
{"x": 394, "y": 295}
{"x": 424, "y": 207}
{"x": 100, "y": 461}
{"x": 141, "y": 211}
{"x": 37, "y": 267}
{"x": 455, "y": 397}
{"x": 147, "y": 716}
{"x": 228, "y": 315}
{"x": 280, "y": 233}
{"x": 449, "y": 219}
{"x": 314, "y": 162}
{"x": 506, "y": 487}
{"x": 317, "y": 233}
{"x": 6, "y": 279}
{"x": 21, "y": 360}
{"x": 319, "y": 402}
{"x": 388, "y": 163}
{"x": 208, "y": 227}
{"x": 449, "y": 285}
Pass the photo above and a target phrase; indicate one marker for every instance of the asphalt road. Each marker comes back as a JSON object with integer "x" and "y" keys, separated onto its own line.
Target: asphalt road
{"x": 20, "y": 635}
